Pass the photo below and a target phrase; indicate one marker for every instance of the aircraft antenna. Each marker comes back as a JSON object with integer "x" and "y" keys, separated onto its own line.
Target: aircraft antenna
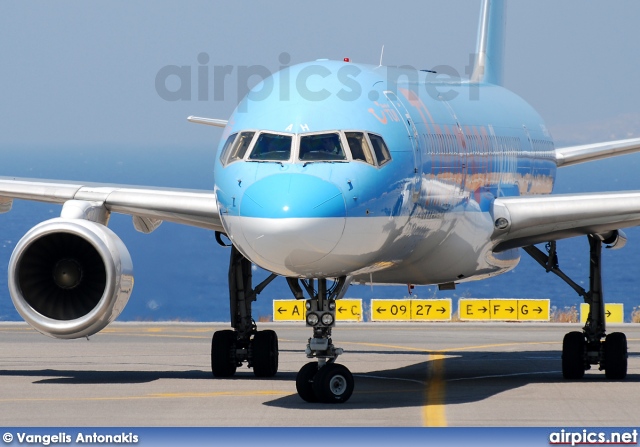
{"x": 381, "y": 54}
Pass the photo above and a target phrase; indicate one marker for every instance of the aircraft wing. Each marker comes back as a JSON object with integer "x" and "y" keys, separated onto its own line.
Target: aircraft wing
{"x": 537, "y": 219}
{"x": 589, "y": 152}
{"x": 149, "y": 205}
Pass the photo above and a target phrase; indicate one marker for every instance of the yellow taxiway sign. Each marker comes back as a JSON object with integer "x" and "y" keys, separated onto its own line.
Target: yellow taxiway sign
{"x": 390, "y": 310}
{"x": 613, "y": 312}
{"x": 410, "y": 310}
{"x": 348, "y": 309}
{"x": 288, "y": 310}
{"x": 431, "y": 310}
{"x": 295, "y": 310}
{"x": 471, "y": 309}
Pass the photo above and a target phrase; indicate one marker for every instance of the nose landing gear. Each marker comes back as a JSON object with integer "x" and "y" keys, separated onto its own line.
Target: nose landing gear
{"x": 323, "y": 381}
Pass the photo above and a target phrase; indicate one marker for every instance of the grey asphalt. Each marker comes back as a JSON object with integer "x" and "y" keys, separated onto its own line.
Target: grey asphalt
{"x": 422, "y": 374}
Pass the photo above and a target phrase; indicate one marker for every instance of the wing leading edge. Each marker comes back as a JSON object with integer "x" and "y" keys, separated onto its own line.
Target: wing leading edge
{"x": 533, "y": 220}
{"x": 188, "y": 207}
{"x": 589, "y": 152}
{"x": 536, "y": 219}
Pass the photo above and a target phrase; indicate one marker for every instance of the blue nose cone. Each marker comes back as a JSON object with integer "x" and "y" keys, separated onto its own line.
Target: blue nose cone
{"x": 289, "y": 222}
{"x": 284, "y": 196}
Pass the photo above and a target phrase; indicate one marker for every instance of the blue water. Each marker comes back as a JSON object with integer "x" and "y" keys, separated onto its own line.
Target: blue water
{"x": 181, "y": 272}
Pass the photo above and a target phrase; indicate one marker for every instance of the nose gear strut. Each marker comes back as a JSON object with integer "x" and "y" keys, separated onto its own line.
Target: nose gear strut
{"x": 322, "y": 381}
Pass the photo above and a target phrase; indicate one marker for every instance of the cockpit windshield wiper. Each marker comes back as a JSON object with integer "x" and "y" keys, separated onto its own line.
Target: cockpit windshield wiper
{"x": 323, "y": 161}
{"x": 267, "y": 161}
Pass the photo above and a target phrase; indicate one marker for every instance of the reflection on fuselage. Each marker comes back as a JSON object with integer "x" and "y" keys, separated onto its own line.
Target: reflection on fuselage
{"x": 398, "y": 188}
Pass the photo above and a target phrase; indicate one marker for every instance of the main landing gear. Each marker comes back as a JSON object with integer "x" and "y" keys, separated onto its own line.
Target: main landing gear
{"x": 580, "y": 350}
{"x": 230, "y": 348}
{"x": 324, "y": 380}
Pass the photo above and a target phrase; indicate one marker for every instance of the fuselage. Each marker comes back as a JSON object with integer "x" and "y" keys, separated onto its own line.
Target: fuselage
{"x": 331, "y": 169}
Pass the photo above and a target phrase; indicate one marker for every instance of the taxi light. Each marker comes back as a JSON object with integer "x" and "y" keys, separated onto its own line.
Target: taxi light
{"x": 327, "y": 319}
{"x": 307, "y": 304}
{"x": 312, "y": 319}
{"x": 332, "y": 305}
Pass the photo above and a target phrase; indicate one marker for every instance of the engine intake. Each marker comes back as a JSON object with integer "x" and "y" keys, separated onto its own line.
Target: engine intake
{"x": 69, "y": 278}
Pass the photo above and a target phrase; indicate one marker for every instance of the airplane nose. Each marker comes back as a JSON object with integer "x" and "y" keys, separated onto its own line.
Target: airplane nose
{"x": 291, "y": 220}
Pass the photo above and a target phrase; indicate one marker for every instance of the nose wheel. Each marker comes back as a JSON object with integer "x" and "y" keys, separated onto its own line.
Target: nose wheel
{"x": 304, "y": 382}
{"x": 331, "y": 384}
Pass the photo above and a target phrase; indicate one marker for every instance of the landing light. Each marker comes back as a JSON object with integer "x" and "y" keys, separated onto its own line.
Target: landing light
{"x": 327, "y": 319}
{"x": 312, "y": 319}
{"x": 501, "y": 223}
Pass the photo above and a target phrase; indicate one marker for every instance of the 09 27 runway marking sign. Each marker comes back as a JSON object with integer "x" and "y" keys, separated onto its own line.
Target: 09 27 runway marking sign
{"x": 431, "y": 310}
{"x": 390, "y": 310}
{"x": 411, "y": 310}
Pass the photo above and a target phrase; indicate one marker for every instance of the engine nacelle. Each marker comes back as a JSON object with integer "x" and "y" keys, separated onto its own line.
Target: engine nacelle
{"x": 69, "y": 278}
{"x": 614, "y": 240}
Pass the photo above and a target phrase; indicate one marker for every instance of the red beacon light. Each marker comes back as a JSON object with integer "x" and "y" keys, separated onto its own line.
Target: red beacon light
{"x": 346, "y": 59}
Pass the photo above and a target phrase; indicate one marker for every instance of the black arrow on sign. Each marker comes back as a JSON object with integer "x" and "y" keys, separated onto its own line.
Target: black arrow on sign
{"x": 511, "y": 309}
{"x": 539, "y": 309}
{"x": 281, "y": 310}
{"x": 341, "y": 309}
{"x": 442, "y": 310}
{"x": 380, "y": 310}
{"x": 484, "y": 310}
{"x": 608, "y": 313}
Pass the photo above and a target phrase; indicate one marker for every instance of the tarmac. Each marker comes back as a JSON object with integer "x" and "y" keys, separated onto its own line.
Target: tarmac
{"x": 419, "y": 374}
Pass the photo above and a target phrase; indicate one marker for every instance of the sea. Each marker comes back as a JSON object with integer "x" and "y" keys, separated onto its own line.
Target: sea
{"x": 181, "y": 272}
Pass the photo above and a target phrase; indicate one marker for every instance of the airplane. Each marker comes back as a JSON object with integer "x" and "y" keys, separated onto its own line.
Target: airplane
{"x": 332, "y": 173}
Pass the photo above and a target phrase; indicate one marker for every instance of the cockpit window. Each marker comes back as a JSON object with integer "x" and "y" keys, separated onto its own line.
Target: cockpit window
{"x": 272, "y": 147}
{"x": 359, "y": 147}
{"x": 331, "y": 146}
{"x": 322, "y": 147}
{"x": 225, "y": 149}
{"x": 380, "y": 149}
{"x": 239, "y": 148}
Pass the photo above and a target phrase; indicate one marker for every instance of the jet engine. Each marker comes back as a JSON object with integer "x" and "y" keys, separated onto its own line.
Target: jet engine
{"x": 69, "y": 278}
{"x": 614, "y": 240}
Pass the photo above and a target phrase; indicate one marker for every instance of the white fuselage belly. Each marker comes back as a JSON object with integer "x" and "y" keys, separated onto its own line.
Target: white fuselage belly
{"x": 386, "y": 249}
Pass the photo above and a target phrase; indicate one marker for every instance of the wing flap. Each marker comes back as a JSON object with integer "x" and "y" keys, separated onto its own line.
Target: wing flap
{"x": 188, "y": 207}
{"x": 533, "y": 220}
